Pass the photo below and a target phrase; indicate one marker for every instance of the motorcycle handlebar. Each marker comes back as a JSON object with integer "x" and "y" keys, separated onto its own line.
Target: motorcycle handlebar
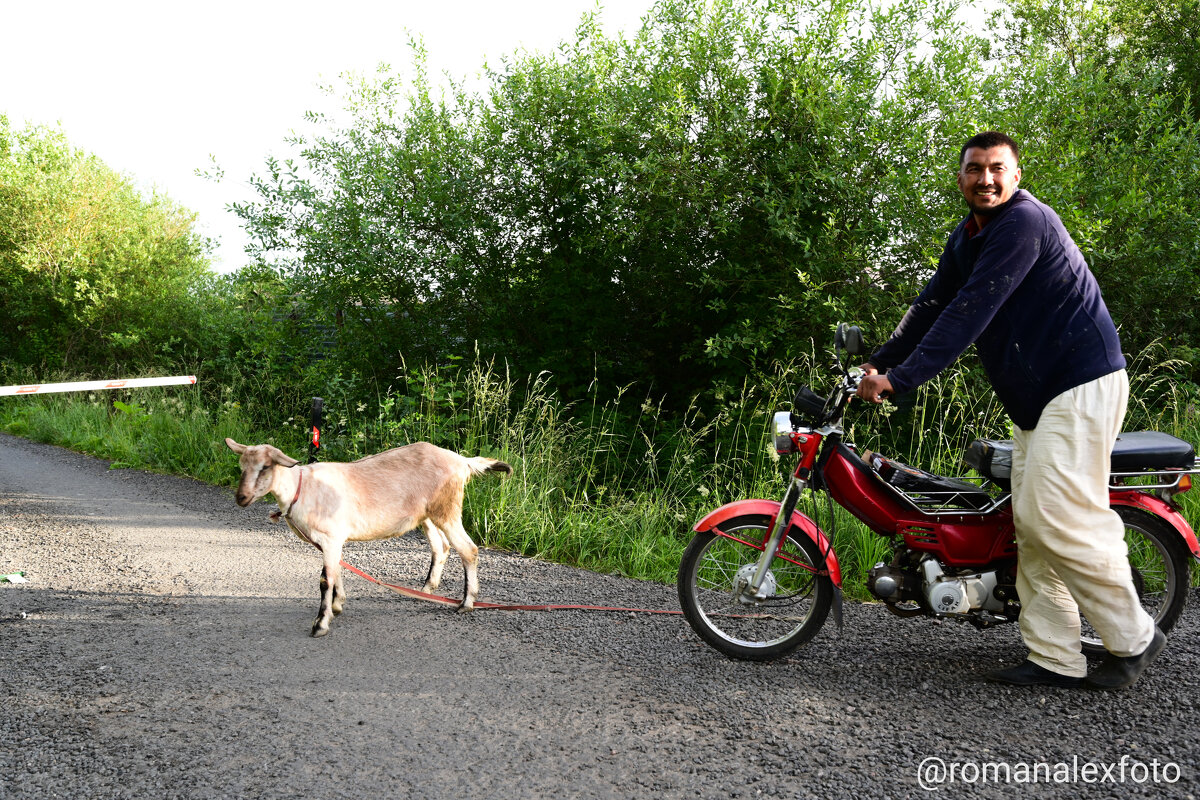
{"x": 836, "y": 404}
{"x": 827, "y": 408}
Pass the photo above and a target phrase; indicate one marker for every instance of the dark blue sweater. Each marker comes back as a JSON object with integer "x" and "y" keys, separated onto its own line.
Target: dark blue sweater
{"x": 1021, "y": 291}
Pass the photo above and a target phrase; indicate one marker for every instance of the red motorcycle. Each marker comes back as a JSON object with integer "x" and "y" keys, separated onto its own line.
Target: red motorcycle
{"x": 759, "y": 578}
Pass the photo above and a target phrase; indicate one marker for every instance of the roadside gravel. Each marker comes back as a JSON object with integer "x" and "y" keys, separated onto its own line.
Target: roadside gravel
{"x": 160, "y": 650}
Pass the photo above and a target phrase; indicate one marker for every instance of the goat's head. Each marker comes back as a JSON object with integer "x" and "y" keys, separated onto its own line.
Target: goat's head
{"x": 258, "y": 463}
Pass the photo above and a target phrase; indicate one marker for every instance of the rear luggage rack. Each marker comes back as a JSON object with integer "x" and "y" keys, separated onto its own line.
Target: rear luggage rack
{"x": 929, "y": 493}
{"x": 976, "y": 500}
{"x": 1157, "y": 478}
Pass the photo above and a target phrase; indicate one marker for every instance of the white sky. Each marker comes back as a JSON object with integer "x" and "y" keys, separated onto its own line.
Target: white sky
{"x": 155, "y": 87}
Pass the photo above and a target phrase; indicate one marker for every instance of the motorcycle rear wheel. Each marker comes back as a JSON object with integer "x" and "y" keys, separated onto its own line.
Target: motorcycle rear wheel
{"x": 1159, "y": 562}
{"x": 797, "y": 603}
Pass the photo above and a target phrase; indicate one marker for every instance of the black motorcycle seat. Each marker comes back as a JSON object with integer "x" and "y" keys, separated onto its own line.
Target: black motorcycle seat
{"x": 1136, "y": 451}
{"x": 1143, "y": 450}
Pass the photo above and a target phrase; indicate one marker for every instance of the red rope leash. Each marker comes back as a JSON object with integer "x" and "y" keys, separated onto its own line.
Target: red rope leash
{"x": 435, "y": 598}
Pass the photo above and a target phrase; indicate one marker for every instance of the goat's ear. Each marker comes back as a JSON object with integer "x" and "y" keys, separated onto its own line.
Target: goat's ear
{"x": 234, "y": 446}
{"x": 282, "y": 459}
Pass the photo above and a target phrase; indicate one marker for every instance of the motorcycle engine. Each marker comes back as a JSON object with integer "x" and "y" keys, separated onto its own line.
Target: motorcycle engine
{"x": 891, "y": 583}
{"x": 959, "y": 594}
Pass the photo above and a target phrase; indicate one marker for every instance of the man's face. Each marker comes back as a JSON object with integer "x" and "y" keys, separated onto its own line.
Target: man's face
{"x": 988, "y": 177}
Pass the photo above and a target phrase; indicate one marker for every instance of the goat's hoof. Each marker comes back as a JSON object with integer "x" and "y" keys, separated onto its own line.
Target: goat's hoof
{"x": 463, "y": 608}
{"x": 318, "y": 631}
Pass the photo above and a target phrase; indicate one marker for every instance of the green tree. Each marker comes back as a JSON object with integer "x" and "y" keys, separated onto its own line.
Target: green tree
{"x": 681, "y": 207}
{"x": 686, "y": 207}
{"x": 90, "y": 271}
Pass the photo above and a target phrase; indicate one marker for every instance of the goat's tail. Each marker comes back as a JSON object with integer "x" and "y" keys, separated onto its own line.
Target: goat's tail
{"x": 480, "y": 465}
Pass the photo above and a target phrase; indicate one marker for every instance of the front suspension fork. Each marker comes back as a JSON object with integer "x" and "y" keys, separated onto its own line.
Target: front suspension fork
{"x": 753, "y": 590}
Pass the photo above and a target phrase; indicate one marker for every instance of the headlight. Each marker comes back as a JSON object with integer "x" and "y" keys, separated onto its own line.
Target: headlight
{"x": 784, "y": 444}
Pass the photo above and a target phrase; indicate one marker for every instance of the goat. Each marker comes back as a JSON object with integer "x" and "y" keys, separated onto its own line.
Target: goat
{"x": 377, "y": 497}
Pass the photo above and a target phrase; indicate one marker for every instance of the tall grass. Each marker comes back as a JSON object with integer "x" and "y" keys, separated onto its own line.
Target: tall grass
{"x": 163, "y": 430}
{"x": 610, "y": 485}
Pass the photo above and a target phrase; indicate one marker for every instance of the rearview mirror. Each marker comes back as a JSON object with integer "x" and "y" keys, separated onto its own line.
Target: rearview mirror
{"x": 848, "y": 338}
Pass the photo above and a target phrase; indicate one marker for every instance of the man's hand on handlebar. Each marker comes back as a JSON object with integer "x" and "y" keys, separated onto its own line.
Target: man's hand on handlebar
{"x": 873, "y": 387}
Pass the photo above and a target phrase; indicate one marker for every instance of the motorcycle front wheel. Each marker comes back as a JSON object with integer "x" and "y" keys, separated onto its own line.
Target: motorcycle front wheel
{"x": 796, "y": 598}
{"x": 1158, "y": 560}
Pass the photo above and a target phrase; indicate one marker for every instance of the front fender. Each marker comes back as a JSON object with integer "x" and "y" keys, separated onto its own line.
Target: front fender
{"x": 770, "y": 509}
{"x": 1156, "y": 506}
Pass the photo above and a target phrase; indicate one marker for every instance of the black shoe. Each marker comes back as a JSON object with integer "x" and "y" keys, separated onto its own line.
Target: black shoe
{"x": 1028, "y": 673}
{"x": 1118, "y": 672}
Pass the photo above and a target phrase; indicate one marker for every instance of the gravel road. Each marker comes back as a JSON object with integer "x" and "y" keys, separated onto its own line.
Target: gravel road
{"x": 160, "y": 650}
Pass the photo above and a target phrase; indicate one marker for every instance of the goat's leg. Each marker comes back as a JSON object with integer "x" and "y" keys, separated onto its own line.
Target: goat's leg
{"x": 339, "y": 593}
{"x": 439, "y": 548}
{"x": 331, "y": 579}
{"x": 469, "y": 554}
{"x": 339, "y": 603}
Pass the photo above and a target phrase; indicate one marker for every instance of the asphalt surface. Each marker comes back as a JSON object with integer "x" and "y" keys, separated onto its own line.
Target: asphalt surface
{"x": 160, "y": 650}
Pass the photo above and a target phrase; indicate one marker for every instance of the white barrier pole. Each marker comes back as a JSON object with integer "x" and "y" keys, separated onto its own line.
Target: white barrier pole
{"x": 84, "y": 386}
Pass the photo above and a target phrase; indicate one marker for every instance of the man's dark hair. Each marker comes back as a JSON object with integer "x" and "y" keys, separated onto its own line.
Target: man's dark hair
{"x": 988, "y": 140}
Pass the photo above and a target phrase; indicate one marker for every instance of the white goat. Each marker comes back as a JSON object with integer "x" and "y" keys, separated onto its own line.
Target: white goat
{"x": 377, "y": 497}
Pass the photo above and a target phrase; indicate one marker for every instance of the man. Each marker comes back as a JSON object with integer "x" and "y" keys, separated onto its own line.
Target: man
{"x": 1012, "y": 281}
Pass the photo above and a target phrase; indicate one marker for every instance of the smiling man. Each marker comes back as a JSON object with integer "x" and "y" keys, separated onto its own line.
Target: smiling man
{"x": 1011, "y": 281}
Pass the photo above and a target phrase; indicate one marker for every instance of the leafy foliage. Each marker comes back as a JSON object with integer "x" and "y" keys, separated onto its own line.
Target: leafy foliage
{"x": 89, "y": 270}
{"x": 682, "y": 207}
{"x": 677, "y": 208}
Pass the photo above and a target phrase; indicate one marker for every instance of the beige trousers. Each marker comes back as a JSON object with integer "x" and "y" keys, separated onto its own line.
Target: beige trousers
{"x": 1071, "y": 548}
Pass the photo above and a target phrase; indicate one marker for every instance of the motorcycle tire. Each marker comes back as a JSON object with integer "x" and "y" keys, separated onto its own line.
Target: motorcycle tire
{"x": 797, "y": 598}
{"x": 1159, "y": 562}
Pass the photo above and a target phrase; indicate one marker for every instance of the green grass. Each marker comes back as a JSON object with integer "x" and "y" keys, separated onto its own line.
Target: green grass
{"x": 160, "y": 430}
{"x": 612, "y": 486}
